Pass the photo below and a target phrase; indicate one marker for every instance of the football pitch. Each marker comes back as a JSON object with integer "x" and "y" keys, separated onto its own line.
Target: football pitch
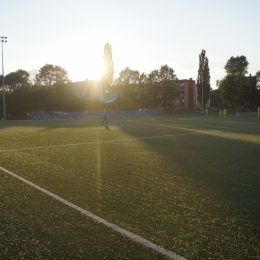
{"x": 158, "y": 187}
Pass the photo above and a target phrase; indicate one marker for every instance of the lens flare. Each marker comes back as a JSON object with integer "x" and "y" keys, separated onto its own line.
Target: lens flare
{"x": 108, "y": 96}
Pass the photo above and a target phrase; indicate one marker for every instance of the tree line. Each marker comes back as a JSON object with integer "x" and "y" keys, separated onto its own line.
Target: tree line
{"x": 51, "y": 89}
{"x": 237, "y": 89}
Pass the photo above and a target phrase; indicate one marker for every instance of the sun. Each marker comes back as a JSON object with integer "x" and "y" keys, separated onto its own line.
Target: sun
{"x": 94, "y": 69}
{"x": 83, "y": 62}
{"x": 87, "y": 68}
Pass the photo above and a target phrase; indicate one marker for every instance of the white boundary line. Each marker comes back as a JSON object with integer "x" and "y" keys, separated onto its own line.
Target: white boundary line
{"x": 120, "y": 230}
{"x": 111, "y": 141}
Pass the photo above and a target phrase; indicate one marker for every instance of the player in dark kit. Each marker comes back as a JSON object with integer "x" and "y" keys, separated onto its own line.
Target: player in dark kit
{"x": 104, "y": 118}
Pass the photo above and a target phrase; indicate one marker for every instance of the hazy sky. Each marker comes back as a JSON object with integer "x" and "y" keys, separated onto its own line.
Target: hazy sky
{"x": 144, "y": 35}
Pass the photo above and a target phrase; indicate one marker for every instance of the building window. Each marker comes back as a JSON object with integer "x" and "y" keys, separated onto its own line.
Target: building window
{"x": 181, "y": 86}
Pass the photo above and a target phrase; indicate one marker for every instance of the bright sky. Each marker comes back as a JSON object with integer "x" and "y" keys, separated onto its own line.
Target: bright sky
{"x": 144, "y": 35}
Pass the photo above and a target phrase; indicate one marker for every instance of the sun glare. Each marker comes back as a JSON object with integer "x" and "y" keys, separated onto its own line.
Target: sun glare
{"x": 83, "y": 62}
{"x": 90, "y": 69}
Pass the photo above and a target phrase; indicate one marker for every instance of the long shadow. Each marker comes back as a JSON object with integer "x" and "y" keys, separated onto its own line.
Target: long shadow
{"x": 107, "y": 127}
{"x": 230, "y": 167}
{"x": 225, "y": 170}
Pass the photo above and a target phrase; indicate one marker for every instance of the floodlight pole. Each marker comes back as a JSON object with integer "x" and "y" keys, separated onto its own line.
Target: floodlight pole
{"x": 202, "y": 92}
{"x": 3, "y": 40}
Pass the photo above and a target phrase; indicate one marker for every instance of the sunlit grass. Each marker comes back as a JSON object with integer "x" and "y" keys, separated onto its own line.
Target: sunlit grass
{"x": 196, "y": 194}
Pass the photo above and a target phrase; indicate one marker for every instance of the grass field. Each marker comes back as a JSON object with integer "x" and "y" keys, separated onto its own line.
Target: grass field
{"x": 188, "y": 183}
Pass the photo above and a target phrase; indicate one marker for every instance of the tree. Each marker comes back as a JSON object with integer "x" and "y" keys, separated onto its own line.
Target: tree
{"x": 203, "y": 78}
{"x": 153, "y": 79}
{"x": 128, "y": 77}
{"x": 17, "y": 80}
{"x": 163, "y": 85}
{"x": 65, "y": 100}
{"x": 237, "y": 66}
{"x": 215, "y": 100}
{"x": 168, "y": 85}
{"x": 236, "y": 89}
{"x": 231, "y": 89}
{"x": 249, "y": 92}
{"x": 167, "y": 74}
{"x": 17, "y": 89}
{"x": 127, "y": 85}
{"x": 49, "y": 75}
{"x": 107, "y": 78}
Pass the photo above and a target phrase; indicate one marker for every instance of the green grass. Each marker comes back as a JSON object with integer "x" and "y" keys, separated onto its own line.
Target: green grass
{"x": 194, "y": 191}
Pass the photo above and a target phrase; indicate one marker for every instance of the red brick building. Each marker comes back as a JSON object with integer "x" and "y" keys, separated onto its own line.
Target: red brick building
{"x": 188, "y": 96}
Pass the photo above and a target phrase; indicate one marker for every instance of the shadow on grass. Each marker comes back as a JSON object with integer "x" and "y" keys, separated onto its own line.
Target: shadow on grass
{"x": 107, "y": 127}
{"x": 225, "y": 169}
{"x": 228, "y": 165}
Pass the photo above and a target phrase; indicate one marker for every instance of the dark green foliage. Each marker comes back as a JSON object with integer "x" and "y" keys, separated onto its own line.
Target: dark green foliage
{"x": 203, "y": 79}
{"x": 237, "y": 89}
{"x": 155, "y": 90}
{"x": 49, "y": 74}
{"x": 231, "y": 90}
{"x": 215, "y": 100}
{"x": 128, "y": 77}
{"x": 50, "y": 90}
{"x": 130, "y": 86}
{"x": 17, "y": 94}
{"x": 164, "y": 87}
{"x": 168, "y": 85}
{"x": 237, "y": 66}
{"x": 249, "y": 96}
{"x": 17, "y": 80}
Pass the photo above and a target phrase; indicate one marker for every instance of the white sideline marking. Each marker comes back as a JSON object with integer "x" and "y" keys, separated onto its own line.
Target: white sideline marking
{"x": 110, "y": 141}
{"x": 120, "y": 230}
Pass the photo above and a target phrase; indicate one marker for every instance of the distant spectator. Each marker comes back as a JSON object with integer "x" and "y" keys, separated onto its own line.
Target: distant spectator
{"x": 237, "y": 112}
{"x": 225, "y": 112}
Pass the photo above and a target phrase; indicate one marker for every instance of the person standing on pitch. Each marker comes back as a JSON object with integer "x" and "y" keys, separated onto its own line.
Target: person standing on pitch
{"x": 220, "y": 112}
{"x": 225, "y": 112}
{"x": 207, "y": 112}
{"x": 237, "y": 112}
{"x": 259, "y": 112}
{"x": 104, "y": 118}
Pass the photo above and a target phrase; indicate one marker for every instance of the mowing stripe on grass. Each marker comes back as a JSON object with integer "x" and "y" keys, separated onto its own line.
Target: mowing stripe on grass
{"x": 110, "y": 141}
{"x": 122, "y": 231}
{"x": 9, "y": 132}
